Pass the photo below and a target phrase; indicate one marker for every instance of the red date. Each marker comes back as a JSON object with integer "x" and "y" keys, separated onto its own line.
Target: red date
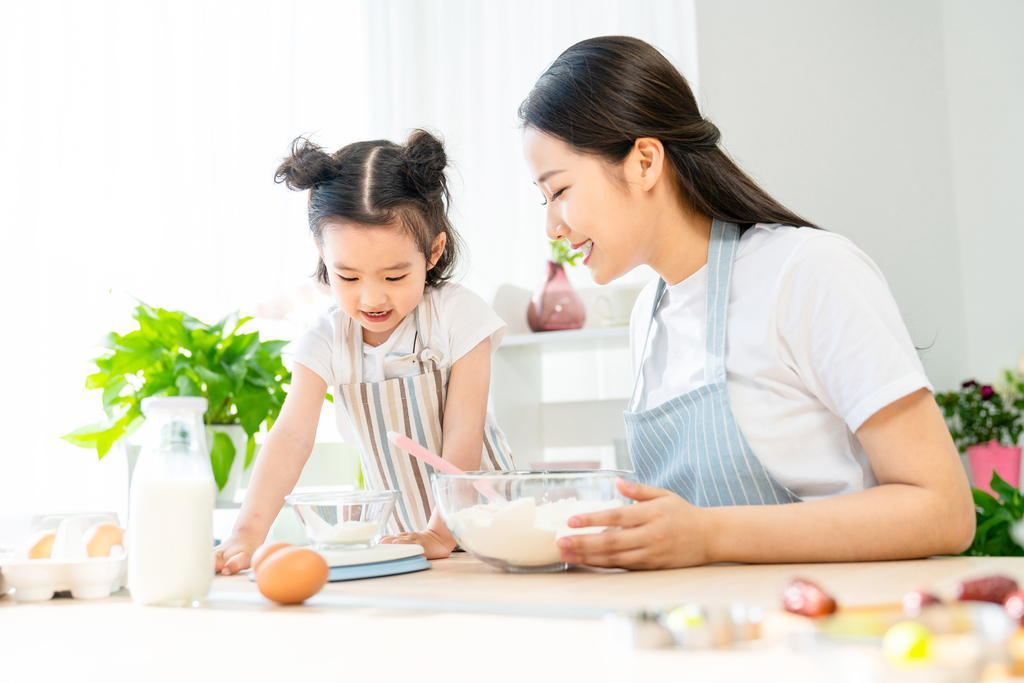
{"x": 990, "y": 589}
{"x": 803, "y": 597}
{"x": 914, "y": 601}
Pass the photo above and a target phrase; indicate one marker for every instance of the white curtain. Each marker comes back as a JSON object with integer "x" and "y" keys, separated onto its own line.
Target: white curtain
{"x": 138, "y": 142}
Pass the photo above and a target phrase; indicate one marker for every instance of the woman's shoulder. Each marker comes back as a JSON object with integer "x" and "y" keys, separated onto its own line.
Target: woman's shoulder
{"x": 790, "y": 251}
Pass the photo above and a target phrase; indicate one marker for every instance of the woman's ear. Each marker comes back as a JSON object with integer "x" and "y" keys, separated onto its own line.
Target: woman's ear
{"x": 437, "y": 248}
{"x": 647, "y": 162}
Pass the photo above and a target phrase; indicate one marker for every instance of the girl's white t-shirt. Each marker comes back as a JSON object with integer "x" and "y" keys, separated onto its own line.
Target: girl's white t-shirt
{"x": 459, "y": 320}
{"x": 815, "y": 345}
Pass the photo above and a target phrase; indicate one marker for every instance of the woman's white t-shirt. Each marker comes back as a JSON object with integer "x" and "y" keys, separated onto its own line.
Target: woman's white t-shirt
{"x": 459, "y": 320}
{"x": 815, "y": 345}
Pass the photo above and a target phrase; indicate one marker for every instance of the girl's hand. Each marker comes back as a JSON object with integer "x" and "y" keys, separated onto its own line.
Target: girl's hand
{"x": 660, "y": 530}
{"x": 234, "y": 554}
{"x": 435, "y": 547}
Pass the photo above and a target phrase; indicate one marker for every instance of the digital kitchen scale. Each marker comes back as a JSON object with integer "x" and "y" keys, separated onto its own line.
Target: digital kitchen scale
{"x": 369, "y": 563}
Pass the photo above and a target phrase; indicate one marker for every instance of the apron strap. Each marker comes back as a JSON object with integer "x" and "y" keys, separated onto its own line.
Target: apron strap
{"x": 638, "y": 384}
{"x": 721, "y": 256}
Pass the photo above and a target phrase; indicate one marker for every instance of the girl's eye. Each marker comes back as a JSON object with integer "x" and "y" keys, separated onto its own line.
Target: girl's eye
{"x": 347, "y": 279}
{"x": 554, "y": 196}
{"x": 396, "y": 279}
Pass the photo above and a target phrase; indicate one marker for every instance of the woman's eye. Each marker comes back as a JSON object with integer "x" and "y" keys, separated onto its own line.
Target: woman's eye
{"x": 554, "y": 196}
{"x": 396, "y": 279}
{"x": 347, "y": 279}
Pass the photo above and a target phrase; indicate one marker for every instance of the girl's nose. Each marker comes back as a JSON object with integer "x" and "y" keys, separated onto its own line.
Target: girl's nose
{"x": 372, "y": 296}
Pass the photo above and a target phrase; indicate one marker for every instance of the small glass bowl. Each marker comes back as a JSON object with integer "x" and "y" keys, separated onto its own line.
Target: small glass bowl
{"x": 521, "y": 537}
{"x": 343, "y": 520}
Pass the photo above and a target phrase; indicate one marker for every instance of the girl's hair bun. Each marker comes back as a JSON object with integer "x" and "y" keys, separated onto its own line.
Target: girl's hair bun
{"x": 307, "y": 166}
{"x": 424, "y": 161}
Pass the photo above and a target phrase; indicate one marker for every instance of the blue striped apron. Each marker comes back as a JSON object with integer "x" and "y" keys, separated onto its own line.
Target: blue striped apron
{"x": 691, "y": 444}
{"x": 412, "y": 406}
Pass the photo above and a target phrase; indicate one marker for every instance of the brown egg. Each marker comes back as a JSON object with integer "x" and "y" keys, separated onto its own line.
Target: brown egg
{"x": 40, "y": 546}
{"x": 265, "y": 551}
{"x": 291, "y": 575}
{"x": 100, "y": 538}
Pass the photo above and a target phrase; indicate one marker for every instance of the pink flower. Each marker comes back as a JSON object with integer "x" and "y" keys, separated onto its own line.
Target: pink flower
{"x": 987, "y": 393}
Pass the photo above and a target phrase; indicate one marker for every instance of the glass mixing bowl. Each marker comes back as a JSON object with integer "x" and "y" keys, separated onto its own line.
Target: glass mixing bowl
{"x": 520, "y": 536}
{"x": 343, "y": 520}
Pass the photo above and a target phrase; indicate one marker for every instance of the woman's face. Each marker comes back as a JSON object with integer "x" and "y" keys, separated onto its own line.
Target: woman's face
{"x": 588, "y": 207}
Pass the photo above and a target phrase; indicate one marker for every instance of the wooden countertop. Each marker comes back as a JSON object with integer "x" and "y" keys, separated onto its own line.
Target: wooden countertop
{"x": 460, "y": 619}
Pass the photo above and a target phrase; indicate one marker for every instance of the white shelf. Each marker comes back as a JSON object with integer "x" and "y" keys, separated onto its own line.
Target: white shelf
{"x": 569, "y": 340}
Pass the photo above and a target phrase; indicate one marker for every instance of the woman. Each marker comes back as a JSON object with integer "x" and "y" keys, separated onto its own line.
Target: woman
{"x": 781, "y": 413}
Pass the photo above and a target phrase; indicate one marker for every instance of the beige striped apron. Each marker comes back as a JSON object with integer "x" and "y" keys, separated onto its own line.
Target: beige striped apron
{"x": 412, "y": 406}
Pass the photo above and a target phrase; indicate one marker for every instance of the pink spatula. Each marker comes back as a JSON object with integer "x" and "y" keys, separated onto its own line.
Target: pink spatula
{"x": 438, "y": 463}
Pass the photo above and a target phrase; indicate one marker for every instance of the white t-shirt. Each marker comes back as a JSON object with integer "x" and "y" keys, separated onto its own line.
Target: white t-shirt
{"x": 459, "y": 320}
{"x": 815, "y": 345}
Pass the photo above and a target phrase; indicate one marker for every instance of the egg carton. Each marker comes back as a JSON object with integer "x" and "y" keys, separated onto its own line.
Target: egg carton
{"x": 69, "y": 567}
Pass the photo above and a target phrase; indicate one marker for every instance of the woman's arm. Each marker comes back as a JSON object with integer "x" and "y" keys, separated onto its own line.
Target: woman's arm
{"x": 922, "y": 506}
{"x": 282, "y": 457}
{"x": 465, "y": 413}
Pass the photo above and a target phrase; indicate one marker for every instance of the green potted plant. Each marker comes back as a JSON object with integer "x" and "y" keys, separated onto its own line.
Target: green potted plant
{"x": 173, "y": 354}
{"x": 556, "y": 305}
{"x": 986, "y": 425}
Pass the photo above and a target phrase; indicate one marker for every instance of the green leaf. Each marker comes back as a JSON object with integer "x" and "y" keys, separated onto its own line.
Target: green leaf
{"x": 222, "y": 455}
{"x": 273, "y": 348}
{"x": 253, "y": 407}
{"x": 250, "y": 451}
{"x": 187, "y": 386}
{"x": 985, "y": 501}
{"x": 97, "y": 380}
{"x": 1005, "y": 490}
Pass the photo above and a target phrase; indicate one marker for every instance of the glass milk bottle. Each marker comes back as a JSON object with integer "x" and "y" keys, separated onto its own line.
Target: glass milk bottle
{"x": 170, "y": 518}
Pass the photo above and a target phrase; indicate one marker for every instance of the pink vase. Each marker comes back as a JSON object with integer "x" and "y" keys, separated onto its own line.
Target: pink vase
{"x": 983, "y": 458}
{"x": 555, "y": 305}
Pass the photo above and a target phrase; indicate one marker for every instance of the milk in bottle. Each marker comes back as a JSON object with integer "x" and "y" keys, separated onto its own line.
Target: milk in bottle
{"x": 170, "y": 519}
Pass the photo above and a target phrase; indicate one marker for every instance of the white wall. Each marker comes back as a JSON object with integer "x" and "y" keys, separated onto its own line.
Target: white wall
{"x": 840, "y": 110}
{"x": 985, "y": 90}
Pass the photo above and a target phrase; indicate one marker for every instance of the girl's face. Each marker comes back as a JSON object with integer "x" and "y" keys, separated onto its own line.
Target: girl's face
{"x": 377, "y": 274}
{"x": 588, "y": 207}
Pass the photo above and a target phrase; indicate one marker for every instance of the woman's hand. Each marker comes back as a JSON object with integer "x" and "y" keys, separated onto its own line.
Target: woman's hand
{"x": 435, "y": 546}
{"x": 234, "y": 554}
{"x": 660, "y": 530}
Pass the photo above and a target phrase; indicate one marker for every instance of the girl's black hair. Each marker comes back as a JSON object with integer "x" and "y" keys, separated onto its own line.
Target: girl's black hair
{"x": 602, "y": 94}
{"x": 378, "y": 183}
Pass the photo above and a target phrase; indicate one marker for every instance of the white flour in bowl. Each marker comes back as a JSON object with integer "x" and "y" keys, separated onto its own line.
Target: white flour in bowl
{"x": 348, "y": 532}
{"x": 523, "y": 533}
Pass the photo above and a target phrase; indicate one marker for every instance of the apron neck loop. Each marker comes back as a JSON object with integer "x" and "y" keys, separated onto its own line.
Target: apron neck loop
{"x": 722, "y": 248}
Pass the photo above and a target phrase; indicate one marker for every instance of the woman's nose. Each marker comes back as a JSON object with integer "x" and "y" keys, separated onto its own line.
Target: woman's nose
{"x": 556, "y": 231}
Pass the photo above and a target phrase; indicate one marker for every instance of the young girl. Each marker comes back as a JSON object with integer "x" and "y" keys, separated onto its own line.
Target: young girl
{"x": 402, "y": 348}
{"x": 780, "y": 413}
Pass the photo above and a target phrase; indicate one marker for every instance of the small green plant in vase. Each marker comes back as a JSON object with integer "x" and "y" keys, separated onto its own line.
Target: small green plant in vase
{"x": 173, "y": 354}
{"x": 555, "y": 305}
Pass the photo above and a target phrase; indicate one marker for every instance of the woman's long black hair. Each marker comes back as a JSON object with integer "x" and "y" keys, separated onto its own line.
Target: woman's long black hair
{"x": 602, "y": 94}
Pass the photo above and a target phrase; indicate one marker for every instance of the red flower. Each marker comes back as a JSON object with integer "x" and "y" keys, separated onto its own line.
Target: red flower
{"x": 969, "y": 383}
{"x": 987, "y": 393}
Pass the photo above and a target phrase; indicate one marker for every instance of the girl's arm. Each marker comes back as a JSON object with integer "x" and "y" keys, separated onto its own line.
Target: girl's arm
{"x": 922, "y": 506}
{"x": 462, "y": 434}
{"x": 281, "y": 459}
